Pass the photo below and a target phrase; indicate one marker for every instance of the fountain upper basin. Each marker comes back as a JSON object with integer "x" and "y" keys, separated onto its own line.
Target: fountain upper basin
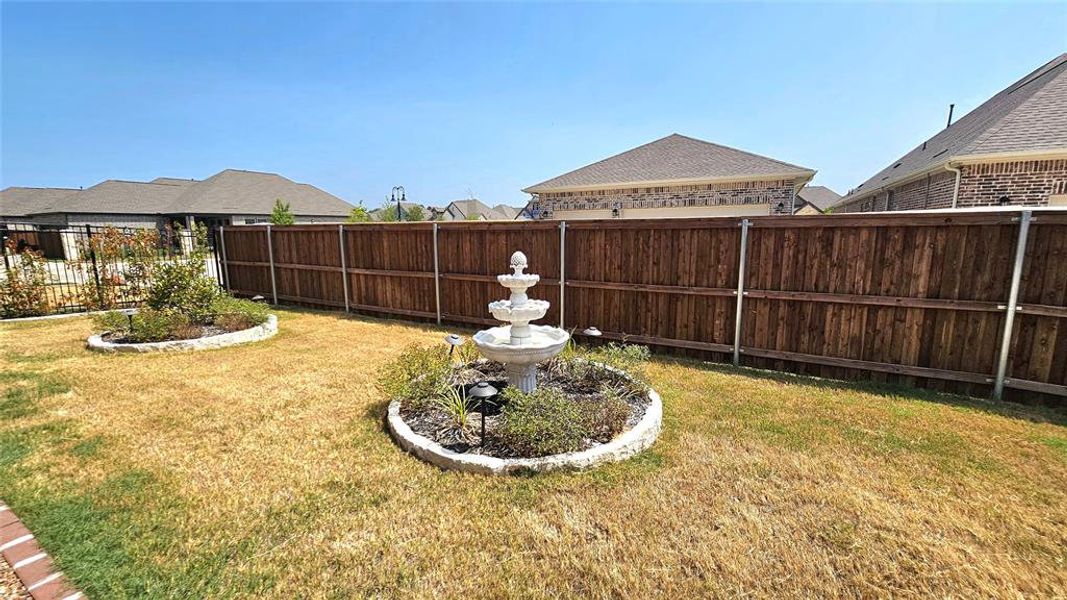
{"x": 531, "y": 310}
{"x": 544, "y": 343}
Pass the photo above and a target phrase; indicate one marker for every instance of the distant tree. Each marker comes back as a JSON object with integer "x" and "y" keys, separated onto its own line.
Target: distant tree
{"x": 415, "y": 213}
{"x": 388, "y": 211}
{"x": 473, "y": 217}
{"x": 281, "y": 215}
{"x": 359, "y": 214}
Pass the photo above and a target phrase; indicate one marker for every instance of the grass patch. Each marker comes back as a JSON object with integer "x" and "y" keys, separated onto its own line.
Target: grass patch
{"x": 264, "y": 471}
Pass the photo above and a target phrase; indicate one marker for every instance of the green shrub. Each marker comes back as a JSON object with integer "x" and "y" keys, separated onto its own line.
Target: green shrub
{"x": 182, "y": 287}
{"x": 233, "y": 314}
{"x": 149, "y": 325}
{"x": 630, "y": 358}
{"x": 417, "y": 377}
{"x": 114, "y": 321}
{"x": 544, "y": 422}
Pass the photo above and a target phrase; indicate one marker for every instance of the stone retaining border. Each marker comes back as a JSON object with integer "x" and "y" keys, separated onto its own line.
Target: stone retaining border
{"x": 254, "y": 334}
{"x": 32, "y": 564}
{"x": 53, "y": 317}
{"x": 627, "y": 444}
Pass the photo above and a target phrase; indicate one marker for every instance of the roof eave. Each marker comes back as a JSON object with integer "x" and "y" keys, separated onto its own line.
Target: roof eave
{"x": 1051, "y": 154}
{"x": 541, "y": 188}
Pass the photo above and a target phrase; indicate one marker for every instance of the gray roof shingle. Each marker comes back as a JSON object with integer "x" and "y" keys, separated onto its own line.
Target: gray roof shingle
{"x": 25, "y": 201}
{"x": 123, "y": 197}
{"x": 232, "y": 191}
{"x": 675, "y": 157}
{"x": 819, "y": 196}
{"x": 1028, "y": 116}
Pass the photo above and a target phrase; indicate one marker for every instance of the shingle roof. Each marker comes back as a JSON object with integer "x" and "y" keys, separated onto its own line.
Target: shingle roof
{"x": 461, "y": 209}
{"x": 507, "y": 212}
{"x": 231, "y": 191}
{"x": 122, "y": 197}
{"x": 1028, "y": 116}
{"x": 173, "y": 181}
{"x": 24, "y": 201}
{"x": 675, "y": 157}
{"x": 821, "y": 197}
{"x": 250, "y": 192}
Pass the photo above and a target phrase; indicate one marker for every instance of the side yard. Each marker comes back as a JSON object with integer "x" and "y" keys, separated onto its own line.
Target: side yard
{"x": 265, "y": 471}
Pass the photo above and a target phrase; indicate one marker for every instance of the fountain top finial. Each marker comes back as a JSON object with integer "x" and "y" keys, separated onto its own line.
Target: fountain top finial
{"x": 518, "y": 262}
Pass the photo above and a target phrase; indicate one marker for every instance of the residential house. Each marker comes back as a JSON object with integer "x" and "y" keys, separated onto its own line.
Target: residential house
{"x": 475, "y": 210}
{"x": 230, "y": 197}
{"x": 676, "y": 176}
{"x": 1011, "y": 150}
{"x": 814, "y": 200}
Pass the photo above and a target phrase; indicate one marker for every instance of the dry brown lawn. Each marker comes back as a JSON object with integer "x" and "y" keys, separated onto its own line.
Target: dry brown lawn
{"x": 264, "y": 471}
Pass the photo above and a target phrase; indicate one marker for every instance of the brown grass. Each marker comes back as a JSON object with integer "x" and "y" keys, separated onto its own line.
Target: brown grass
{"x": 264, "y": 471}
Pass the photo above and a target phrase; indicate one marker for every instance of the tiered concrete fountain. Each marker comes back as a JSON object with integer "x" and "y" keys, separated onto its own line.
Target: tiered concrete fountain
{"x": 519, "y": 345}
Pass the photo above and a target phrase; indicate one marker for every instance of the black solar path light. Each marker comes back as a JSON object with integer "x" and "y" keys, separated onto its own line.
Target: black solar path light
{"x": 129, "y": 312}
{"x": 483, "y": 392}
{"x": 453, "y": 342}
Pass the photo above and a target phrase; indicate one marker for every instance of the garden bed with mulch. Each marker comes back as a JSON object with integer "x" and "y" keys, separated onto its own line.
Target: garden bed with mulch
{"x": 586, "y": 402}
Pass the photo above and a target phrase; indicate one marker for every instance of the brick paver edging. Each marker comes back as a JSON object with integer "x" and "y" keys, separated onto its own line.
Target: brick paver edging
{"x": 32, "y": 564}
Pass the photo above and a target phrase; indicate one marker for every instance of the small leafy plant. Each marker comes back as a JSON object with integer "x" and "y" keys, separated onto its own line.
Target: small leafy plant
{"x": 417, "y": 377}
{"x": 234, "y": 314}
{"x": 542, "y": 423}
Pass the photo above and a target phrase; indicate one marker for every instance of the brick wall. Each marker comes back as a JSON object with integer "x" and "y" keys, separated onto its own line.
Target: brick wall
{"x": 1024, "y": 183}
{"x": 717, "y": 194}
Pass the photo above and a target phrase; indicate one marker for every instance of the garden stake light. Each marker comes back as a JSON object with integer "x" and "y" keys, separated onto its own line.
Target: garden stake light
{"x": 129, "y": 312}
{"x": 592, "y": 331}
{"x": 483, "y": 392}
{"x": 453, "y": 341}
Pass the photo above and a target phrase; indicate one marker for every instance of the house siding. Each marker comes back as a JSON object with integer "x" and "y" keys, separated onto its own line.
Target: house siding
{"x": 1024, "y": 183}
{"x": 742, "y": 194}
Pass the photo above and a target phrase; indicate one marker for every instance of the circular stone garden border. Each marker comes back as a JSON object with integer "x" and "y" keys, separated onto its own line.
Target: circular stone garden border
{"x": 253, "y": 334}
{"x": 627, "y": 444}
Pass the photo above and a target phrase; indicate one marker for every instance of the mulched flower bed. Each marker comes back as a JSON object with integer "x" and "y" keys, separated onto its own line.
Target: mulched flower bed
{"x": 204, "y": 331}
{"x": 582, "y": 382}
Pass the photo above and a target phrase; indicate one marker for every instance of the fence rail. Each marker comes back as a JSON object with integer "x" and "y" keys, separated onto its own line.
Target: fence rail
{"x": 914, "y": 299}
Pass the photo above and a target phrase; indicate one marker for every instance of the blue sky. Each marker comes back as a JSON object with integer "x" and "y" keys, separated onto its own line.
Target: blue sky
{"x": 485, "y": 99}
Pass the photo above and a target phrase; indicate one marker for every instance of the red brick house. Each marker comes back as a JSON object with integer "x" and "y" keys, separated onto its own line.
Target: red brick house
{"x": 1011, "y": 150}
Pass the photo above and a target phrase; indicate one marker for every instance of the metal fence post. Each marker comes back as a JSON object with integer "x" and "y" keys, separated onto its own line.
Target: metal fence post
{"x": 96, "y": 270}
{"x": 344, "y": 264}
{"x": 225, "y": 263}
{"x": 740, "y": 293}
{"x": 436, "y": 276}
{"x": 270, "y": 256}
{"x": 3, "y": 248}
{"x": 1012, "y": 306}
{"x": 562, "y": 269}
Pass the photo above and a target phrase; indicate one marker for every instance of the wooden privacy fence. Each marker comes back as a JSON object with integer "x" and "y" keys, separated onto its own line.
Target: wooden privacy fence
{"x": 969, "y": 302}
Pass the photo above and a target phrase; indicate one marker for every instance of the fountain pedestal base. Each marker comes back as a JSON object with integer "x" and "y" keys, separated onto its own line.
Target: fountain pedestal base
{"x": 523, "y": 377}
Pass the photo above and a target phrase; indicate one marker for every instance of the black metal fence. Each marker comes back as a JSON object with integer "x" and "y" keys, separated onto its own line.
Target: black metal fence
{"x": 83, "y": 268}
